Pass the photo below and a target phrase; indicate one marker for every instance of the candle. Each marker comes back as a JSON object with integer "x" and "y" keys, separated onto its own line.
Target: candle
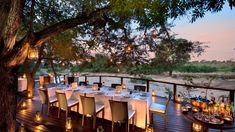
{"x": 123, "y": 86}
{"x": 23, "y": 105}
{"x": 149, "y": 128}
{"x": 94, "y": 87}
{"x": 38, "y": 117}
{"x": 197, "y": 127}
{"x": 178, "y": 100}
{"x": 68, "y": 123}
{"x": 154, "y": 93}
{"x": 24, "y": 76}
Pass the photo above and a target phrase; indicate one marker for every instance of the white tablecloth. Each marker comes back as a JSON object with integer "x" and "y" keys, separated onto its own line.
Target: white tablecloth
{"x": 22, "y": 84}
{"x": 137, "y": 101}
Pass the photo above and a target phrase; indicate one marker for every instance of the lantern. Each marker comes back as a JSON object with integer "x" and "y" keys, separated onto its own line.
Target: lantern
{"x": 94, "y": 87}
{"x": 68, "y": 124}
{"x": 32, "y": 53}
{"x": 41, "y": 87}
{"x": 154, "y": 93}
{"x": 23, "y": 106}
{"x": 123, "y": 86}
{"x": 29, "y": 95}
{"x": 149, "y": 128}
{"x": 24, "y": 76}
{"x": 197, "y": 127}
{"x": 21, "y": 129}
{"x": 118, "y": 89}
{"x": 178, "y": 99}
{"x": 38, "y": 118}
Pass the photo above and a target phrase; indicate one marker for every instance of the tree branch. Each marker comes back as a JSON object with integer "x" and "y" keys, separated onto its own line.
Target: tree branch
{"x": 57, "y": 28}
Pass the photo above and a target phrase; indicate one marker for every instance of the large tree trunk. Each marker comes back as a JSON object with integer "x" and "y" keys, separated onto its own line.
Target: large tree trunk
{"x": 10, "y": 14}
{"x": 29, "y": 77}
{"x": 8, "y": 88}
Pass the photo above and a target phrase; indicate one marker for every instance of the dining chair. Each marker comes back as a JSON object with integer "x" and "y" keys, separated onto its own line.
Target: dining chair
{"x": 65, "y": 104}
{"x": 99, "y": 84}
{"x": 84, "y": 83}
{"x": 90, "y": 108}
{"x": 121, "y": 114}
{"x": 114, "y": 85}
{"x": 160, "y": 109}
{"x": 46, "y": 100}
{"x": 140, "y": 88}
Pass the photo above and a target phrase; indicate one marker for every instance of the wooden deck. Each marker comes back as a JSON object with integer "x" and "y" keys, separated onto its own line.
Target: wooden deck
{"x": 176, "y": 121}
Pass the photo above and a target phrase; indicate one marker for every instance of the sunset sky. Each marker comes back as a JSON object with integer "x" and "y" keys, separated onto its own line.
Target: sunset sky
{"x": 217, "y": 30}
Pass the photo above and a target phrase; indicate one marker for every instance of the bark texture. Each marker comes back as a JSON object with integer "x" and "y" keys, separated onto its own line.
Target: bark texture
{"x": 10, "y": 14}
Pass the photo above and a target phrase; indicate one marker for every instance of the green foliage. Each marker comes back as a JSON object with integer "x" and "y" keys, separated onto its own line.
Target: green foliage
{"x": 99, "y": 64}
{"x": 171, "y": 53}
{"x": 233, "y": 69}
{"x": 197, "y": 68}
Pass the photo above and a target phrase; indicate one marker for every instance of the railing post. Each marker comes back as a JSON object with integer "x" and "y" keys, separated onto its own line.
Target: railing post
{"x": 147, "y": 85}
{"x": 85, "y": 78}
{"x": 174, "y": 92}
{"x": 100, "y": 79}
{"x": 121, "y": 80}
{"x": 231, "y": 96}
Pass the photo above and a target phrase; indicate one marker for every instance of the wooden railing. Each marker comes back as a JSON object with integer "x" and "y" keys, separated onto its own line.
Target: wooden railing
{"x": 231, "y": 91}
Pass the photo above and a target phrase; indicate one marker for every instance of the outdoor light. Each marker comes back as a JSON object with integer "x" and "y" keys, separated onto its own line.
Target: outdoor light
{"x": 21, "y": 129}
{"x": 149, "y": 128}
{"x": 68, "y": 124}
{"x": 38, "y": 118}
{"x": 154, "y": 92}
{"x": 94, "y": 87}
{"x": 197, "y": 127}
{"x": 123, "y": 86}
{"x": 118, "y": 89}
{"x": 184, "y": 109}
{"x": 178, "y": 99}
{"x": 29, "y": 95}
{"x": 23, "y": 106}
{"x": 24, "y": 76}
{"x": 195, "y": 109}
{"x": 32, "y": 53}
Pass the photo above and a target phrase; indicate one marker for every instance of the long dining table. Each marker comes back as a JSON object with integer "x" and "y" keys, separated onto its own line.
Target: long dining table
{"x": 138, "y": 101}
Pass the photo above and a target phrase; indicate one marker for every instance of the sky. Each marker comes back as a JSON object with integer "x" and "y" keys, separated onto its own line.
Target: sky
{"x": 217, "y": 30}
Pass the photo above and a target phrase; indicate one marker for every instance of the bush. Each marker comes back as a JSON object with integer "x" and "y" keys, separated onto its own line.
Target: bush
{"x": 197, "y": 68}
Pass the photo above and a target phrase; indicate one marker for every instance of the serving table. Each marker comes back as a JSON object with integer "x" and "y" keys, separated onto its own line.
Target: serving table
{"x": 223, "y": 125}
{"x": 138, "y": 101}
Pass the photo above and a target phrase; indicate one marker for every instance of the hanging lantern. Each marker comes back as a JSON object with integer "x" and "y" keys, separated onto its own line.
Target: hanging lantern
{"x": 32, "y": 53}
{"x": 38, "y": 118}
{"x": 68, "y": 124}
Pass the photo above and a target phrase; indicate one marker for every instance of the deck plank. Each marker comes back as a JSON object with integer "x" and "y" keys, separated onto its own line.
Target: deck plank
{"x": 176, "y": 122}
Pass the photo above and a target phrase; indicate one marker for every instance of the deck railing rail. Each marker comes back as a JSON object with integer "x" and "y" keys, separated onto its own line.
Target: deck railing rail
{"x": 175, "y": 85}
